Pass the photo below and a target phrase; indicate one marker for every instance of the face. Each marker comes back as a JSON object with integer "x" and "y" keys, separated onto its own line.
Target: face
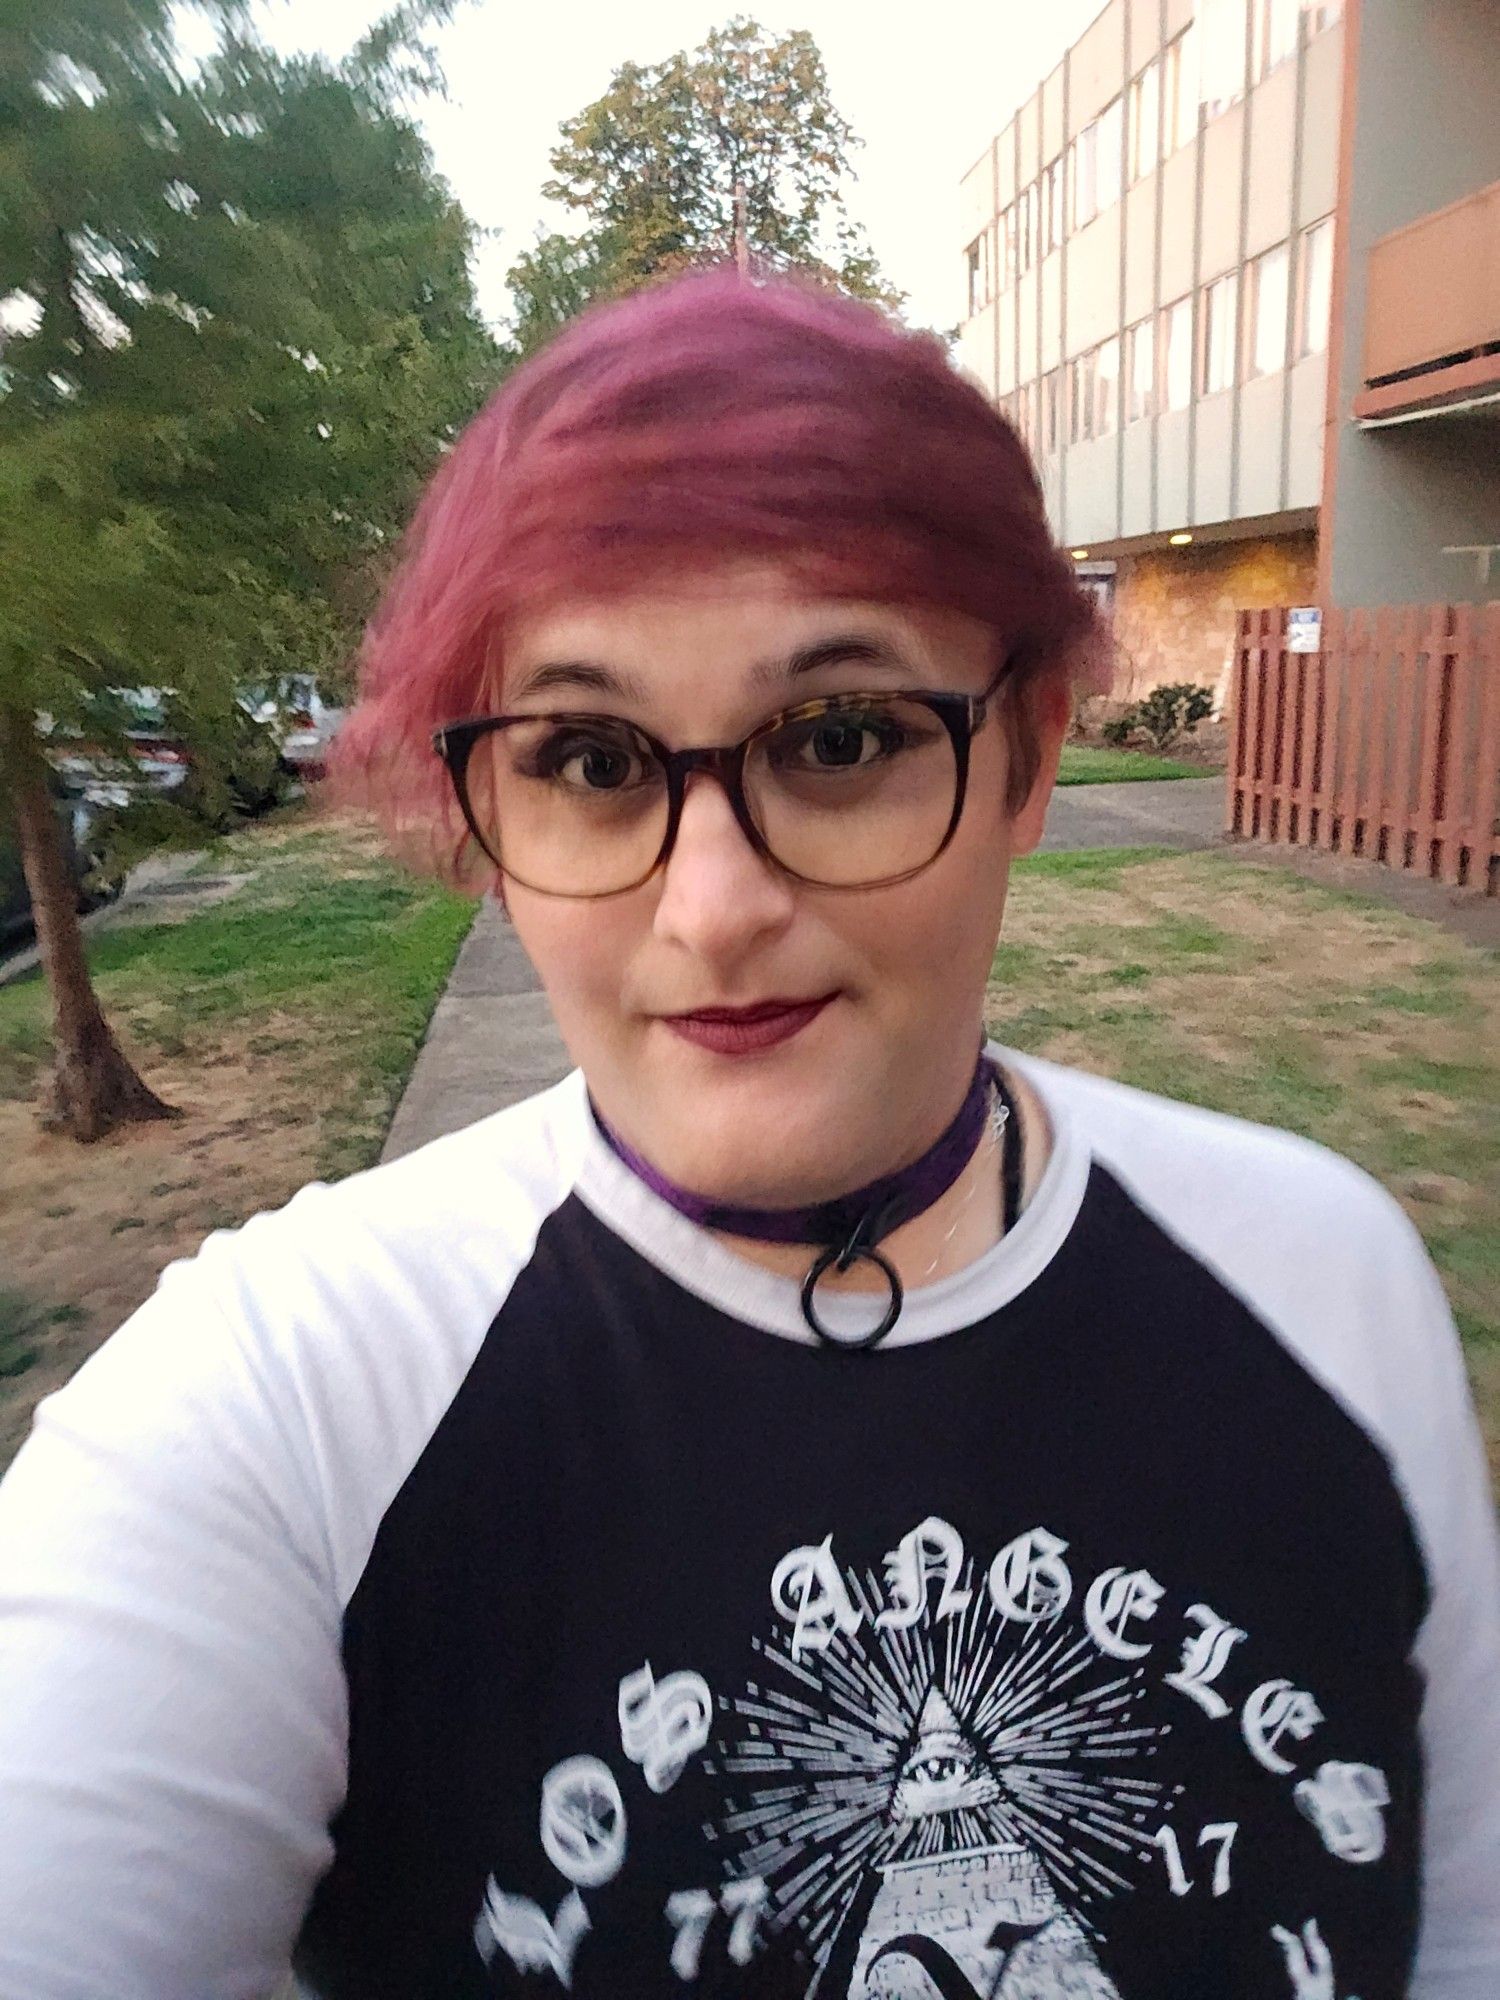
{"x": 867, "y": 1001}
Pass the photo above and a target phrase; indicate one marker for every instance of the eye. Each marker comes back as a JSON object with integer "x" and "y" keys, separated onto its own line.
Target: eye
{"x": 591, "y": 760}
{"x": 840, "y": 740}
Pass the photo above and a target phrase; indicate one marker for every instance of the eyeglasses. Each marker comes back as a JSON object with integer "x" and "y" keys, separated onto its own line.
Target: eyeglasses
{"x": 853, "y": 791}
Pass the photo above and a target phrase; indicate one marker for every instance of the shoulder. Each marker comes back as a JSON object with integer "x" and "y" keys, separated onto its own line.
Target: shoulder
{"x": 310, "y": 1354}
{"x": 1314, "y": 1246}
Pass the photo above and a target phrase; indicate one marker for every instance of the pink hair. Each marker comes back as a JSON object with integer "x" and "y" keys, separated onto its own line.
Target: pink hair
{"x": 704, "y": 419}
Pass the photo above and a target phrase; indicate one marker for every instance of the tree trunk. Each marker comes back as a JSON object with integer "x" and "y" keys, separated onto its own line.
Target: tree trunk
{"x": 92, "y": 1087}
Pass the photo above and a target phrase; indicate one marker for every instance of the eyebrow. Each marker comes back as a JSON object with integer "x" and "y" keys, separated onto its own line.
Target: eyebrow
{"x": 592, "y": 678}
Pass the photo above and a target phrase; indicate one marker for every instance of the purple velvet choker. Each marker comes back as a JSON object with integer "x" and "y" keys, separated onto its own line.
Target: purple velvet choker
{"x": 848, "y": 1229}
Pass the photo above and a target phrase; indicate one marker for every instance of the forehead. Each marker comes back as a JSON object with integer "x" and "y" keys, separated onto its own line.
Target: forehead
{"x": 740, "y": 632}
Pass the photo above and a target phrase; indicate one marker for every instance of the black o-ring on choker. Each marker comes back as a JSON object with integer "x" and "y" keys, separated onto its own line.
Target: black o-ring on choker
{"x": 860, "y": 1249}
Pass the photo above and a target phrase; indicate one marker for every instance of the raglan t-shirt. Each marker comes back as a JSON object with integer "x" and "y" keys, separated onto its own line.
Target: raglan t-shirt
{"x": 475, "y": 1580}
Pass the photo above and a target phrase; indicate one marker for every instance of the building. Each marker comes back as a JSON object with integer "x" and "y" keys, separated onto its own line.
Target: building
{"x": 1412, "y": 473}
{"x": 1234, "y": 272}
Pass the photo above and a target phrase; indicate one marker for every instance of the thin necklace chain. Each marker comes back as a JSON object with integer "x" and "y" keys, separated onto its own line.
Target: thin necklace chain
{"x": 999, "y": 1118}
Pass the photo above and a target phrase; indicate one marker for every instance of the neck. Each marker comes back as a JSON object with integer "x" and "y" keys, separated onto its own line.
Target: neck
{"x": 958, "y": 1228}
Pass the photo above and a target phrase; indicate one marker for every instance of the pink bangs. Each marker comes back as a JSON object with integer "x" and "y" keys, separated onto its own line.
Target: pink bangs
{"x": 707, "y": 419}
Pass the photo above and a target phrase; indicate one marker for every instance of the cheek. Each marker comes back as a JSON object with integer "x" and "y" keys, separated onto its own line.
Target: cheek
{"x": 581, "y": 952}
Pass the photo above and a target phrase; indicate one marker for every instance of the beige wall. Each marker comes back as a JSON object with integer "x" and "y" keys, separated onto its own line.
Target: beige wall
{"x": 1252, "y": 177}
{"x": 1175, "y": 610}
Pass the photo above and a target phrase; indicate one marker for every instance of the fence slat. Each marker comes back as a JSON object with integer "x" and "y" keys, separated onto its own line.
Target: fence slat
{"x": 1449, "y": 805}
{"x": 1234, "y": 822}
{"x": 1286, "y": 733}
{"x": 1399, "y": 806}
{"x": 1485, "y": 826}
{"x": 1350, "y": 729}
{"x": 1434, "y": 699}
{"x": 1372, "y": 785}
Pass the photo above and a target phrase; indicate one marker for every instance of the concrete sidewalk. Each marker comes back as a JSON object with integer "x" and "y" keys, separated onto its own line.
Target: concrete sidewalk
{"x": 491, "y": 1040}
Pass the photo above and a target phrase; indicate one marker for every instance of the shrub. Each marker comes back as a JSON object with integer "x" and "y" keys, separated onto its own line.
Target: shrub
{"x": 1164, "y": 717}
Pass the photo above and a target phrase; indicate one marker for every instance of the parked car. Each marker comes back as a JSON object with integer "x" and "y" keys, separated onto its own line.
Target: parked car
{"x": 142, "y": 746}
{"x": 306, "y": 724}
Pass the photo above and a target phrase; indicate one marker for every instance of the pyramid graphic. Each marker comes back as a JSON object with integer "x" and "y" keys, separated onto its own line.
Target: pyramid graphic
{"x": 961, "y": 1911}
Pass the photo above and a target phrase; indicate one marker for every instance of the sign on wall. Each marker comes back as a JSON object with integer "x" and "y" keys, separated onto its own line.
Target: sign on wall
{"x": 1304, "y": 629}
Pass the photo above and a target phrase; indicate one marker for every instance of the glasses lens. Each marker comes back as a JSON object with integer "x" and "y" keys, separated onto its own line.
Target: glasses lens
{"x": 572, "y": 805}
{"x": 854, "y": 792}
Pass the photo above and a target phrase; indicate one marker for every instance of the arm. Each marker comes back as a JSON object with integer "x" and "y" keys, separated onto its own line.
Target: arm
{"x": 172, "y": 1727}
{"x": 1459, "y": 1650}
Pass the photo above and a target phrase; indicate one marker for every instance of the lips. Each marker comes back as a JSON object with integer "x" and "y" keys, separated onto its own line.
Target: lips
{"x": 739, "y": 1031}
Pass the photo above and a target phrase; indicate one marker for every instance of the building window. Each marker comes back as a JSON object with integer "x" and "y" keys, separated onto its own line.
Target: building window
{"x": 1315, "y": 287}
{"x": 1026, "y": 209}
{"x": 1140, "y": 371}
{"x": 1222, "y": 26}
{"x": 977, "y": 258}
{"x": 1107, "y": 154}
{"x": 1083, "y": 176}
{"x": 1008, "y": 241}
{"x": 1180, "y": 90}
{"x": 1145, "y": 122}
{"x": 1177, "y": 355}
{"x": 1051, "y": 410}
{"x": 1268, "y": 300}
{"x": 1107, "y": 387}
{"x": 1273, "y": 29}
{"x": 1052, "y": 206}
{"x": 1083, "y": 413}
{"x": 1217, "y": 368}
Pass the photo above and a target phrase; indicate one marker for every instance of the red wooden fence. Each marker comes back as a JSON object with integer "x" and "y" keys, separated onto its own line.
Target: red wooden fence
{"x": 1386, "y": 744}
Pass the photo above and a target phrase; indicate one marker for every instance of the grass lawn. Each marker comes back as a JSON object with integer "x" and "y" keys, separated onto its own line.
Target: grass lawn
{"x": 282, "y": 1020}
{"x": 1262, "y": 994}
{"x": 1084, "y": 764}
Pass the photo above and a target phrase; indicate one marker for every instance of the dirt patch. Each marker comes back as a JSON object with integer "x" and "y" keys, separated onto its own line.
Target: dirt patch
{"x": 96, "y": 1225}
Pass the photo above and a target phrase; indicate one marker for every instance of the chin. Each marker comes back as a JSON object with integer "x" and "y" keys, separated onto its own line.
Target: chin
{"x": 765, "y": 1148}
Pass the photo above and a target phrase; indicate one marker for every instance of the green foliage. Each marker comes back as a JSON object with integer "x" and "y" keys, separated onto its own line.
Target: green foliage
{"x": 247, "y": 332}
{"x": 661, "y": 163}
{"x": 1165, "y": 716}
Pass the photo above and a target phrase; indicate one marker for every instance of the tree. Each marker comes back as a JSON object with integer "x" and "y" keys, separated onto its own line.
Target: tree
{"x": 555, "y": 280}
{"x": 734, "y": 146}
{"x": 239, "y": 328}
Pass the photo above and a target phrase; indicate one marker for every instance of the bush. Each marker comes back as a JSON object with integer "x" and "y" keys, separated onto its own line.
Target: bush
{"x": 1164, "y": 717}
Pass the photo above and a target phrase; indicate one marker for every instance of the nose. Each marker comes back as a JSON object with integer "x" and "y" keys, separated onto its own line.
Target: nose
{"x": 719, "y": 899}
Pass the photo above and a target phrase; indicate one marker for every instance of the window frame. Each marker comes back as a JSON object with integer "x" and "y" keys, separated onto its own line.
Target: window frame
{"x": 1319, "y": 232}
{"x": 1180, "y": 103}
{"x": 1252, "y": 369}
{"x": 1137, "y": 162}
{"x": 1166, "y": 317}
{"x": 1216, "y": 341}
{"x": 1107, "y": 387}
{"x": 1140, "y": 401}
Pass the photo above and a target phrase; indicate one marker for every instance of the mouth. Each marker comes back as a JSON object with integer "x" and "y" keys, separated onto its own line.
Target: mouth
{"x": 743, "y": 1031}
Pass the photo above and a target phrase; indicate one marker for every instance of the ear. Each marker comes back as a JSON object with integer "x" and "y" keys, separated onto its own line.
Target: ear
{"x": 1054, "y": 711}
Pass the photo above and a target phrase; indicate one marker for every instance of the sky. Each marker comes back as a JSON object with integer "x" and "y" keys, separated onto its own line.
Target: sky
{"x": 925, "y": 83}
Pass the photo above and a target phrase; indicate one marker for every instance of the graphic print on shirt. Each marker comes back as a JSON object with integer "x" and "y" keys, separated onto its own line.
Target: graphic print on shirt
{"x": 941, "y": 1778}
{"x": 939, "y": 1790}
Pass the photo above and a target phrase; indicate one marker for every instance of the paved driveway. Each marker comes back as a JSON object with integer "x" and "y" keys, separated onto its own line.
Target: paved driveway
{"x": 1173, "y": 812}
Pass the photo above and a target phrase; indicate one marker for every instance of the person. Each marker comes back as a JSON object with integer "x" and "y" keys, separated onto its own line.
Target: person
{"x": 817, "y": 1503}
